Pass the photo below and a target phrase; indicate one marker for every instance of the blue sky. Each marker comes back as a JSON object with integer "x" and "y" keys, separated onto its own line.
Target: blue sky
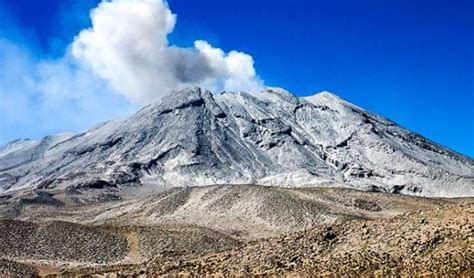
{"x": 411, "y": 61}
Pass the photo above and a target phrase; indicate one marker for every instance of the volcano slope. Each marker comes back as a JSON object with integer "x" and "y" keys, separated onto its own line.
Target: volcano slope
{"x": 237, "y": 183}
{"x": 193, "y": 138}
{"x": 238, "y": 230}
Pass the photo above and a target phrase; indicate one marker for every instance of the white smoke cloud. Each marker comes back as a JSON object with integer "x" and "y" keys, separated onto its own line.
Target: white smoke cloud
{"x": 40, "y": 97}
{"x": 127, "y": 45}
{"x": 123, "y": 61}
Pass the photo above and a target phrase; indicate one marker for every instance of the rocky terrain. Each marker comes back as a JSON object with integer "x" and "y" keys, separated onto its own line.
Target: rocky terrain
{"x": 305, "y": 231}
{"x": 247, "y": 210}
{"x": 61, "y": 241}
{"x": 193, "y": 138}
{"x": 439, "y": 241}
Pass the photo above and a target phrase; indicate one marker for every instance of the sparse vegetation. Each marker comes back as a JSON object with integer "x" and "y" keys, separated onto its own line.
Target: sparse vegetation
{"x": 352, "y": 233}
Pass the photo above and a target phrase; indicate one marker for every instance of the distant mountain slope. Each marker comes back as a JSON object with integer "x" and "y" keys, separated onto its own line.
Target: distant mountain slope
{"x": 193, "y": 137}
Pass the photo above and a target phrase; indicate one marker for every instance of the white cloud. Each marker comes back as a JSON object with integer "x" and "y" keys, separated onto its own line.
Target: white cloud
{"x": 127, "y": 45}
{"x": 122, "y": 60}
{"x": 40, "y": 97}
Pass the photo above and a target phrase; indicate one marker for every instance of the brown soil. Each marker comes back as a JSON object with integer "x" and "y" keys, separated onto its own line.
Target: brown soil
{"x": 371, "y": 234}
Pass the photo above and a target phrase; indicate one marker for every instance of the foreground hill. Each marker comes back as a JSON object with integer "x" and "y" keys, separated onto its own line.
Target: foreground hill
{"x": 195, "y": 138}
{"x": 246, "y": 230}
{"x": 246, "y": 211}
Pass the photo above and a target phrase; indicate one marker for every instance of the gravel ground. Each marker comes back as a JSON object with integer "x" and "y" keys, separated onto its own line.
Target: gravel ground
{"x": 244, "y": 230}
{"x": 61, "y": 241}
{"x": 439, "y": 241}
{"x": 15, "y": 269}
{"x": 158, "y": 242}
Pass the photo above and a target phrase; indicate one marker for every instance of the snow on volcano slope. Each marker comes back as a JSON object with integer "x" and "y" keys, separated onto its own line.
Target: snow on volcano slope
{"x": 193, "y": 137}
